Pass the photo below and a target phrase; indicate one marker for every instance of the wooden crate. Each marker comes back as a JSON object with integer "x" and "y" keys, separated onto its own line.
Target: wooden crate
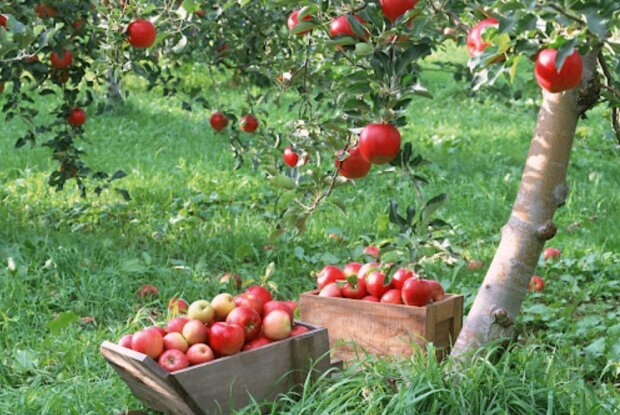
{"x": 224, "y": 384}
{"x": 355, "y": 326}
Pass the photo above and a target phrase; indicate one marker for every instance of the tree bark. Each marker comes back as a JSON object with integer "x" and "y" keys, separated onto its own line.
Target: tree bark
{"x": 542, "y": 190}
{"x": 114, "y": 87}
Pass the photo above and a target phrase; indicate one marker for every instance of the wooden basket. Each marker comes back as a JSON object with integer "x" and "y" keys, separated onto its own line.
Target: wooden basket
{"x": 355, "y": 326}
{"x": 224, "y": 384}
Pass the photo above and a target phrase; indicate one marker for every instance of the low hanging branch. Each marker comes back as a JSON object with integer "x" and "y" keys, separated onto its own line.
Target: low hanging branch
{"x": 543, "y": 189}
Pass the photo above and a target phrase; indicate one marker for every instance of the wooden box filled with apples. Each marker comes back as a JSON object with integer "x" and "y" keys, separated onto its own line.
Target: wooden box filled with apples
{"x": 364, "y": 311}
{"x": 221, "y": 355}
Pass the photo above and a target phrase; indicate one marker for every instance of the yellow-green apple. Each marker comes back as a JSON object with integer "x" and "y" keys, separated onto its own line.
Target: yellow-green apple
{"x": 175, "y": 341}
{"x": 248, "y": 319}
{"x": 195, "y": 331}
{"x": 226, "y": 339}
{"x": 173, "y": 360}
{"x": 201, "y": 310}
{"x": 149, "y": 342}
{"x": 199, "y": 353}
{"x": 277, "y": 325}
{"x": 176, "y": 325}
{"x": 222, "y": 305}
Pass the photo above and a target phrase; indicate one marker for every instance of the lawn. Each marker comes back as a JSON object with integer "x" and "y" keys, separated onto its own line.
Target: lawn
{"x": 193, "y": 217}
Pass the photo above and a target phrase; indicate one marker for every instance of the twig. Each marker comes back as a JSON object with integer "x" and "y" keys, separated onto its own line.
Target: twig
{"x": 567, "y": 14}
{"x": 615, "y": 112}
{"x": 455, "y": 19}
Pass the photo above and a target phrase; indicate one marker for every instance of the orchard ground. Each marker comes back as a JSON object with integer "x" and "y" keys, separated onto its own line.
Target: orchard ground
{"x": 192, "y": 218}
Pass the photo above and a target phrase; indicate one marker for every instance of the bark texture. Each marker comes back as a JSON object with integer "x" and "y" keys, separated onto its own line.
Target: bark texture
{"x": 114, "y": 87}
{"x": 542, "y": 190}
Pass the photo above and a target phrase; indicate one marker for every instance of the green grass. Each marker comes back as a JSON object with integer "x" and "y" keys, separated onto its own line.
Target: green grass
{"x": 192, "y": 217}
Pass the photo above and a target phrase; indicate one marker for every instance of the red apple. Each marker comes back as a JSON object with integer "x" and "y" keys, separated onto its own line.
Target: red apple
{"x": 248, "y": 319}
{"x": 355, "y": 288}
{"x": 290, "y": 157}
{"x": 3, "y": 20}
{"x": 329, "y": 274}
{"x": 147, "y": 290}
{"x": 437, "y": 291}
{"x": 256, "y": 343}
{"x": 292, "y": 305}
{"x": 552, "y": 80}
{"x": 331, "y": 290}
{"x": 393, "y": 9}
{"x": 475, "y": 265}
{"x": 262, "y": 293}
{"x": 76, "y": 118}
{"x": 176, "y": 325}
{"x": 354, "y": 166}
{"x": 252, "y": 301}
{"x": 226, "y": 339}
{"x": 367, "y": 269}
{"x": 218, "y": 121}
{"x": 552, "y": 253}
{"x": 148, "y": 342}
{"x": 536, "y": 284}
{"x": 416, "y": 292}
{"x": 400, "y": 276}
{"x": 298, "y": 330}
{"x": 475, "y": 44}
{"x": 371, "y": 298}
{"x": 372, "y": 250}
{"x": 195, "y": 331}
{"x": 175, "y": 341}
{"x": 61, "y": 60}
{"x": 278, "y": 305}
{"x": 377, "y": 284}
{"x": 392, "y": 296}
{"x": 160, "y": 330}
{"x": 141, "y": 34}
{"x": 173, "y": 360}
{"x": 125, "y": 341}
{"x": 199, "y": 353}
{"x": 340, "y": 26}
{"x": 177, "y": 306}
{"x": 277, "y": 325}
{"x": 293, "y": 21}
{"x": 379, "y": 143}
{"x": 222, "y": 304}
{"x": 351, "y": 269}
{"x": 248, "y": 123}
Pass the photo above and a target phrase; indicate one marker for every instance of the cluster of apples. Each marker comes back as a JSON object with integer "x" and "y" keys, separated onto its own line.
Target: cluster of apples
{"x": 222, "y": 327}
{"x": 369, "y": 282}
{"x": 219, "y": 121}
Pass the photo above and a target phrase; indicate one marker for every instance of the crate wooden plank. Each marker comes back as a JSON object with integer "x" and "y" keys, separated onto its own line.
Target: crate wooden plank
{"x": 225, "y": 384}
{"x": 384, "y": 329}
{"x": 148, "y": 381}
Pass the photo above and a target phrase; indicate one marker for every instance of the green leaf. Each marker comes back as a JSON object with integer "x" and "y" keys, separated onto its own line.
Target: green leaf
{"x": 62, "y": 321}
{"x": 431, "y": 207}
{"x": 283, "y": 182}
{"x": 363, "y": 49}
{"x": 564, "y": 52}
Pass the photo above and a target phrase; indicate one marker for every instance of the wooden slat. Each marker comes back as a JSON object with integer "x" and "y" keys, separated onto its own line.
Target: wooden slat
{"x": 229, "y": 383}
{"x": 457, "y": 321}
{"x": 148, "y": 381}
{"x": 356, "y": 327}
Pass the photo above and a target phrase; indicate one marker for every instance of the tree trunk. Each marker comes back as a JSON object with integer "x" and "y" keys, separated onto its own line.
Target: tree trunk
{"x": 114, "y": 87}
{"x": 543, "y": 189}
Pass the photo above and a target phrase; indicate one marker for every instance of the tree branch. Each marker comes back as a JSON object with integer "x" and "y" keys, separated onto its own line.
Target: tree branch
{"x": 615, "y": 112}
